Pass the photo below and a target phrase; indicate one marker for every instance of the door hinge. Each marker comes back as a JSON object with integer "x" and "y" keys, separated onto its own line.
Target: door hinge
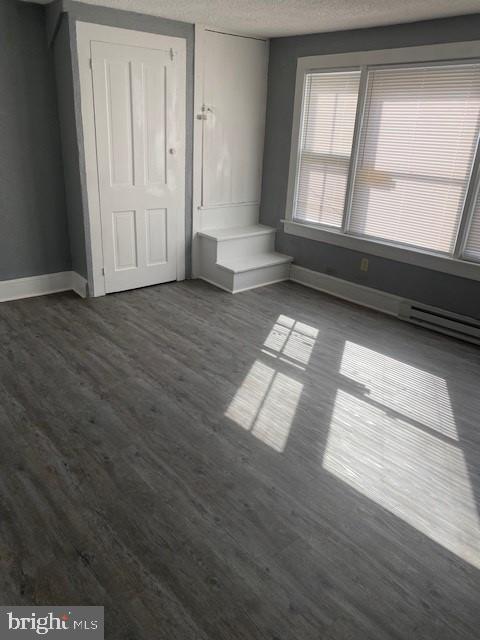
{"x": 172, "y": 53}
{"x": 103, "y": 271}
{"x": 90, "y": 63}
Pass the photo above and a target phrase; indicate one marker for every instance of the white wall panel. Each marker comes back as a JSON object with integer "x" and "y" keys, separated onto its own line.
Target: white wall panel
{"x": 235, "y": 88}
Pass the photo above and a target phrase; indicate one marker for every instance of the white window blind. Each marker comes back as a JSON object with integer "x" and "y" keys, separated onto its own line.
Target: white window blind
{"x": 328, "y": 121}
{"x": 417, "y": 147}
{"x": 472, "y": 246}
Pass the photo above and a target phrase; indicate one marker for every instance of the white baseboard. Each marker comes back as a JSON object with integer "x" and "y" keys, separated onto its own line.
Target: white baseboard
{"x": 257, "y": 286}
{"x": 357, "y": 293}
{"x": 42, "y": 285}
{"x": 215, "y": 284}
{"x": 253, "y": 286}
{"x": 78, "y": 284}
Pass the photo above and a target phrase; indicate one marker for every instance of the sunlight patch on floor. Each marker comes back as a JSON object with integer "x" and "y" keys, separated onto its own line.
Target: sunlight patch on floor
{"x": 392, "y": 435}
{"x": 406, "y": 391}
{"x": 266, "y": 404}
{"x": 418, "y": 476}
{"x": 291, "y": 340}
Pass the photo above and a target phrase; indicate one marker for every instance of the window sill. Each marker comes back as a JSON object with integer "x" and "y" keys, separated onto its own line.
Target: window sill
{"x": 417, "y": 257}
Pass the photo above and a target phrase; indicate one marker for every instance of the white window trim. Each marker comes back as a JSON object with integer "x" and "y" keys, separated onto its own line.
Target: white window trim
{"x": 417, "y": 257}
{"x": 340, "y": 62}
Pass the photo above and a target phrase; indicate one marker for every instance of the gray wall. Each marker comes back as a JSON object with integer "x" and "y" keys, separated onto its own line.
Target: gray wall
{"x": 33, "y": 237}
{"x": 70, "y": 146}
{"x": 431, "y": 287}
{"x": 69, "y": 92}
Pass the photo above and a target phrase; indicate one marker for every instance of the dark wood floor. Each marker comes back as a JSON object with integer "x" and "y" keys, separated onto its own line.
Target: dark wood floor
{"x": 276, "y": 464}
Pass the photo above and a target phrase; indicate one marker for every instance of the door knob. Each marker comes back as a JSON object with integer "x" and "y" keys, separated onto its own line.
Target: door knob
{"x": 171, "y": 151}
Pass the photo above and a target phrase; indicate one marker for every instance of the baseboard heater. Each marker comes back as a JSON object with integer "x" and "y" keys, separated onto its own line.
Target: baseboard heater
{"x": 452, "y": 324}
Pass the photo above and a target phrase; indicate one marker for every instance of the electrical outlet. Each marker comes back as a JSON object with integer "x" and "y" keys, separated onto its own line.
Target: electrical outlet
{"x": 364, "y": 264}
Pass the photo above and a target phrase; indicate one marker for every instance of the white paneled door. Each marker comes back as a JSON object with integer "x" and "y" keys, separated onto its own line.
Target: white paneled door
{"x": 140, "y": 155}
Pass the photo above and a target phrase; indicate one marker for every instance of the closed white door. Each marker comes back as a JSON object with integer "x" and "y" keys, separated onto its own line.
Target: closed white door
{"x": 139, "y": 126}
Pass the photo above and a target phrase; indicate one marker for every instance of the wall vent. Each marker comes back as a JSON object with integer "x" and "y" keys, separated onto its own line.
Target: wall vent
{"x": 452, "y": 324}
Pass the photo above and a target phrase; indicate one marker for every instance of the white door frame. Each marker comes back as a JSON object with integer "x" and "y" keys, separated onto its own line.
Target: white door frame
{"x": 197, "y": 142}
{"x": 86, "y": 32}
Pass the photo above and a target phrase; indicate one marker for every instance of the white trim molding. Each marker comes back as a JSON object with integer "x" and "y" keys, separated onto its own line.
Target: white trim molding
{"x": 356, "y": 293}
{"x": 417, "y": 257}
{"x": 42, "y": 285}
{"x": 433, "y": 318}
{"x": 199, "y": 71}
{"x": 79, "y": 284}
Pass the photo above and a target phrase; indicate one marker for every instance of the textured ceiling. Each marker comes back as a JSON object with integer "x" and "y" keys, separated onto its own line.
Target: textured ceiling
{"x": 290, "y": 17}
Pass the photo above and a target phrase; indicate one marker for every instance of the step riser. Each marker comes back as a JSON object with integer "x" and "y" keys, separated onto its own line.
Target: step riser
{"x": 208, "y": 268}
{"x": 260, "y": 277}
{"x": 240, "y": 263}
{"x": 229, "y": 216}
{"x": 249, "y": 246}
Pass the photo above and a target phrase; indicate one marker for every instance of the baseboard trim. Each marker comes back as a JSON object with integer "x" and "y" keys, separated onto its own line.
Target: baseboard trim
{"x": 257, "y": 286}
{"x": 79, "y": 284}
{"x": 42, "y": 285}
{"x": 356, "y": 293}
{"x": 213, "y": 283}
{"x": 253, "y": 286}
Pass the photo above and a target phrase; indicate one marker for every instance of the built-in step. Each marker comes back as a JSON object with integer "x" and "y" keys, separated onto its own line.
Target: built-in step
{"x": 240, "y": 258}
{"x": 233, "y": 233}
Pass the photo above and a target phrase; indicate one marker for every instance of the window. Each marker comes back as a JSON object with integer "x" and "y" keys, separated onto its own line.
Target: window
{"x": 416, "y": 153}
{"x": 386, "y": 153}
{"x": 472, "y": 246}
{"x": 330, "y": 103}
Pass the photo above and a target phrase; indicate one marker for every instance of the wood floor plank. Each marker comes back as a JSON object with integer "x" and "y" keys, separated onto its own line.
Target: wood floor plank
{"x": 275, "y": 464}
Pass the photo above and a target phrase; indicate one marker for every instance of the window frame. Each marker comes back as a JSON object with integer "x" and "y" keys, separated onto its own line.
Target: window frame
{"x": 364, "y": 61}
